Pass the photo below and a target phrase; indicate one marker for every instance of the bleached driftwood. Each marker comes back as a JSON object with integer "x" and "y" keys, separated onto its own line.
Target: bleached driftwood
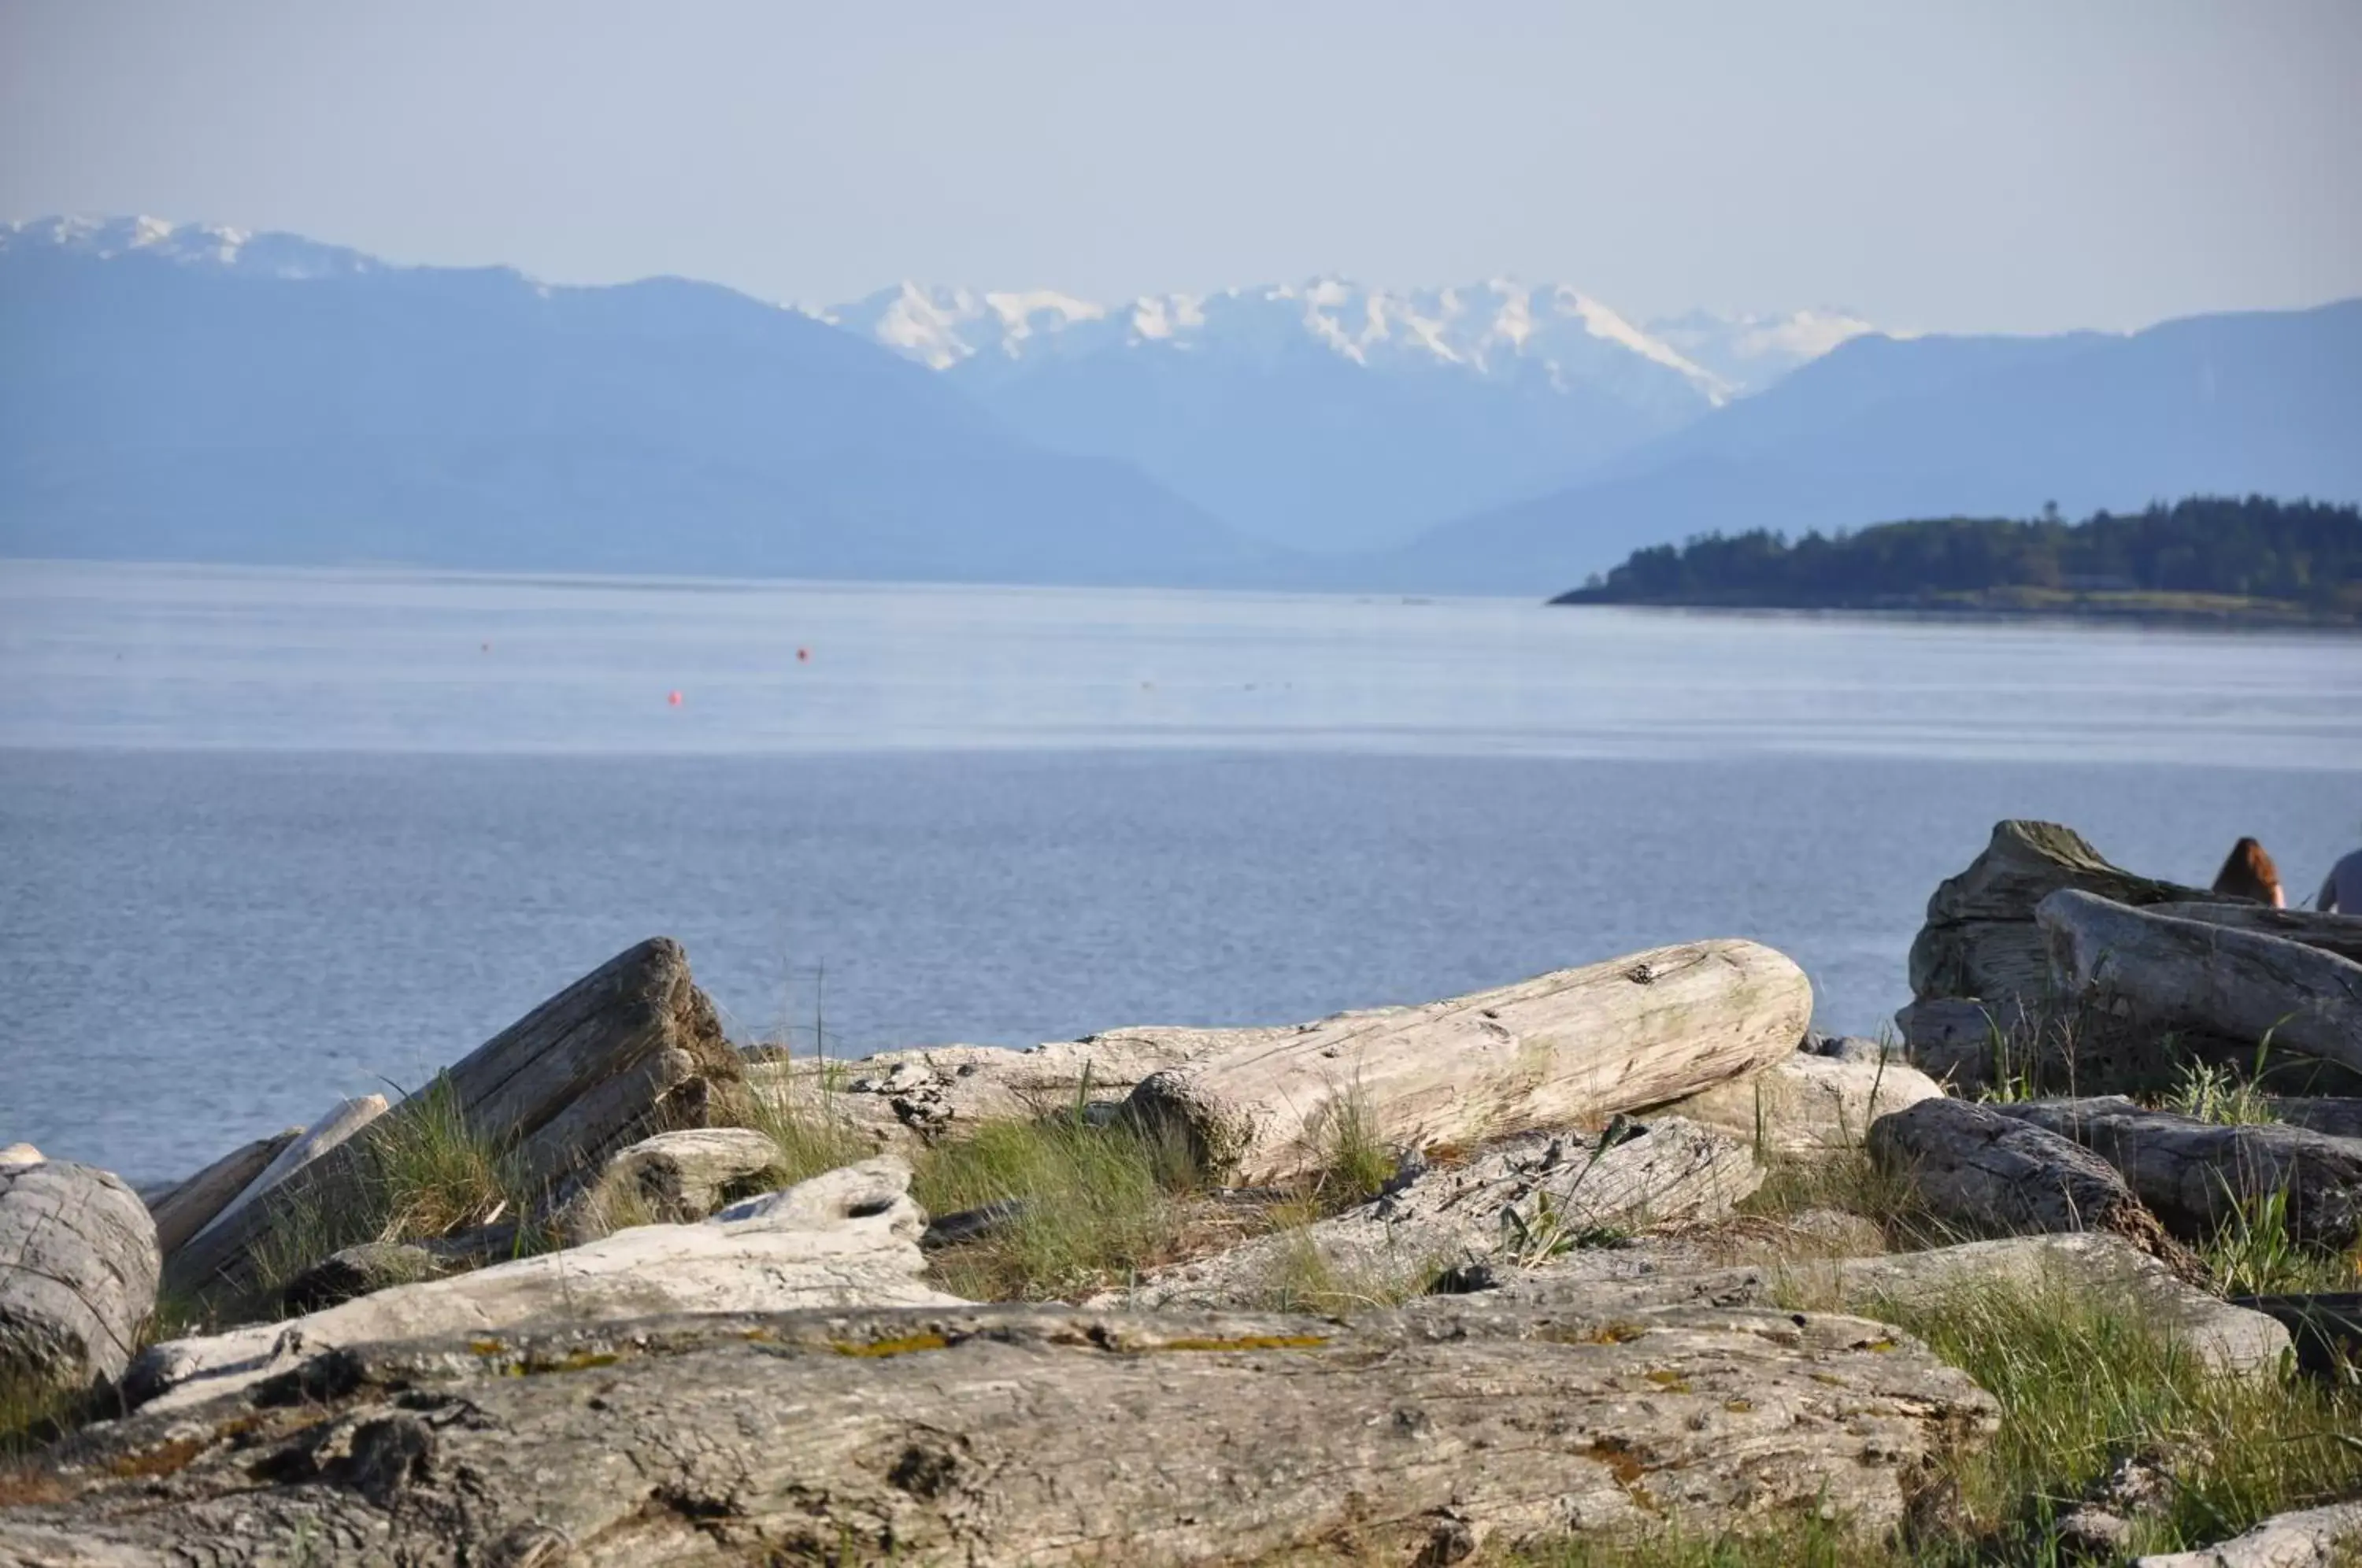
{"x": 2198, "y": 1176}
{"x": 1574, "y": 1045}
{"x": 78, "y": 1270}
{"x": 345, "y": 1117}
{"x": 1511, "y": 1206}
{"x": 629, "y": 1048}
{"x": 1975, "y": 1167}
{"x": 189, "y": 1207}
{"x": 1025, "y": 1435}
{"x": 1980, "y": 939}
{"x": 2185, "y": 973}
{"x": 2327, "y": 1536}
{"x": 2338, "y": 933}
{"x": 671, "y": 1179}
{"x": 20, "y": 1154}
{"x": 1810, "y": 1104}
{"x": 847, "y": 1238}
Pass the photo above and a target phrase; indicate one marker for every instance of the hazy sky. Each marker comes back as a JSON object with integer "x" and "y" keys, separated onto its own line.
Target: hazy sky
{"x": 1987, "y": 164}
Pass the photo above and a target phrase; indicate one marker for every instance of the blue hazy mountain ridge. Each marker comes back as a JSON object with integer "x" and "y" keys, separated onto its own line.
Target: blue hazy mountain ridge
{"x": 1881, "y": 430}
{"x": 1304, "y": 447}
{"x": 306, "y": 405}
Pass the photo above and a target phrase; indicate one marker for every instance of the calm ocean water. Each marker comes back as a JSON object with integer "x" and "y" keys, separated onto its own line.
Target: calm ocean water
{"x": 271, "y": 837}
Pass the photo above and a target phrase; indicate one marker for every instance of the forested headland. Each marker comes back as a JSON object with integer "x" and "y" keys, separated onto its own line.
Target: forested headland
{"x": 2208, "y": 558}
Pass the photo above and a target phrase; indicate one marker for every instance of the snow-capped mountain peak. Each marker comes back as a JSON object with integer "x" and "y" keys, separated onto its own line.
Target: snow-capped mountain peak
{"x": 189, "y": 244}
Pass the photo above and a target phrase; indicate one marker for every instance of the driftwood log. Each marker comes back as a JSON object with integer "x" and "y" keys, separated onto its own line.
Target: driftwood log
{"x": 1021, "y": 1435}
{"x": 1974, "y": 1167}
{"x": 189, "y": 1208}
{"x": 2339, "y": 1118}
{"x": 345, "y": 1117}
{"x": 78, "y": 1270}
{"x": 2328, "y": 1536}
{"x": 1979, "y": 940}
{"x": 672, "y": 1178}
{"x": 628, "y": 1048}
{"x": 2326, "y": 1327}
{"x": 1569, "y": 1047}
{"x": 2338, "y": 933}
{"x": 2175, "y": 972}
{"x": 847, "y": 1238}
{"x": 2198, "y": 1176}
{"x": 1807, "y": 1103}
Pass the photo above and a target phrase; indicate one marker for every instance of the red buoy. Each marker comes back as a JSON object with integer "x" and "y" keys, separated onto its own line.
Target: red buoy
{"x": 803, "y": 656}
{"x": 673, "y": 699}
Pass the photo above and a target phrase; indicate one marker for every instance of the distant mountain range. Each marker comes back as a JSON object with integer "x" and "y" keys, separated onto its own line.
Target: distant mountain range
{"x": 202, "y": 393}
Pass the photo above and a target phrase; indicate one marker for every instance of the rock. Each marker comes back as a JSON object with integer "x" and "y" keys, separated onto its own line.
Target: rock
{"x": 2314, "y": 1538}
{"x": 1518, "y": 1203}
{"x": 1951, "y": 1039}
{"x": 1022, "y": 1435}
{"x": 845, "y": 1239}
{"x": 1575, "y": 1046}
{"x": 344, "y": 1119}
{"x": 1811, "y": 1103}
{"x": 2338, "y": 1118}
{"x": 1975, "y": 1167}
{"x": 190, "y": 1206}
{"x": 2197, "y": 1175}
{"x": 19, "y": 1154}
{"x": 77, "y": 1272}
{"x": 671, "y": 1179}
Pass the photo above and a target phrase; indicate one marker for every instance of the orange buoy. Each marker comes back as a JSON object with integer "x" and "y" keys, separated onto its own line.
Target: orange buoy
{"x": 673, "y": 699}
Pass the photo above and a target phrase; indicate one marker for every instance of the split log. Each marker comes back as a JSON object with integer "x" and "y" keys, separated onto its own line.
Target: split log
{"x": 1808, "y": 1104}
{"x": 627, "y": 1049}
{"x": 189, "y": 1207}
{"x": 2197, "y": 1175}
{"x": 2338, "y": 933}
{"x": 847, "y": 1238}
{"x": 2186, "y": 974}
{"x": 1023, "y": 1435}
{"x": 78, "y": 1270}
{"x": 1575, "y": 1046}
{"x": 345, "y": 1117}
{"x": 1513, "y": 1205}
{"x": 672, "y": 1178}
{"x": 2327, "y": 1536}
{"x": 1975, "y": 1167}
{"x": 1980, "y": 939}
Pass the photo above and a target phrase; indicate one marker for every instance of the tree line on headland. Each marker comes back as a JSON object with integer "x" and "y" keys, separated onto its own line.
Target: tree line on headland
{"x": 2207, "y": 556}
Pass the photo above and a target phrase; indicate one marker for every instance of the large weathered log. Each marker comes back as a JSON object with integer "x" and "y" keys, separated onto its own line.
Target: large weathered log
{"x": 2338, "y": 933}
{"x": 2328, "y": 1536}
{"x": 627, "y": 1049}
{"x": 1974, "y": 1167}
{"x": 1979, "y": 940}
{"x": 2188, "y": 974}
{"x": 2339, "y": 1118}
{"x": 78, "y": 1270}
{"x": 345, "y": 1117}
{"x": 189, "y": 1208}
{"x": 1810, "y": 1104}
{"x": 2198, "y": 1176}
{"x": 2324, "y": 1327}
{"x": 847, "y": 1238}
{"x": 1023, "y": 1435}
{"x": 1553, "y": 1052}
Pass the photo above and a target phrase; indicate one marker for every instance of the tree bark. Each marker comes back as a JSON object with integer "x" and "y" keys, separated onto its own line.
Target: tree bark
{"x": 1023, "y": 1435}
{"x": 625, "y": 1049}
{"x": 78, "y": 1269}
{"x": 2187, "y": 974}
{"x": 2196, "y": 1176}
{"x": 191, "y": 1207}
{"x": 1571, "y": 1046}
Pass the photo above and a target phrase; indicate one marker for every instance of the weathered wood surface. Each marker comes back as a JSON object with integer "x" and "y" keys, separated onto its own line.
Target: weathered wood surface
{"x": 344, "y": 1119}
{"x": 847, "y": 1238}
{"x": 189, "y": 1207}
{"x": 1807, "y": 1104}
{"x": 626, "y": 1050}
{"x": 2327, "y": 1536}
{"x": 1023, "y": 1435}
{"x": 2326, "y": 1327}
{"x": 1980, "y": 939}
{"x": 1974, "y": 1167}
{"x": 1574, "y": 1045}
{"x": 1513, "y": 1205}
{"x": 672, "y": 1178}
{"x": 2196, "y": 1176}
{"x": 2188, "y": 974}
{"x": 2338, "y": 933}
{"x": 20, "y": 1154}
{"x": 78, "y": 1271}
{"x": 2337, "y": 1117}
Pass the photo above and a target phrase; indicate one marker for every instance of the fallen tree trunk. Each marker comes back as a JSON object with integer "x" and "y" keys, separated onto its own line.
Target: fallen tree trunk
{"x": 2327, "y": 1537}
{"x": 2187, "y": 974}
{"x": 192, "y": 1206}
{"x": 1571, "y": 1046}
{"x": 78, "y": 1269}
{"x": 2338, "y": 933}
{"x": 2338, "y": 1118}
{"x": 2197, "y": 1177}
{"x": 345, "y": 1117}
{"x": 1974, "y": 1167}
{"x": 630, "y": 1047}
{"x": 846, "y": 1238}
{"x": 1023, "y": 1435}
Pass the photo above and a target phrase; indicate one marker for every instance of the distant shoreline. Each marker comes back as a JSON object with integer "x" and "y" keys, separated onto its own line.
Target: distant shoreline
{"x": 2221, "y": 612}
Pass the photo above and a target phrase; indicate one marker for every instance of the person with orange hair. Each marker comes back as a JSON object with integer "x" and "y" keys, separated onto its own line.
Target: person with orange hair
{"x": 2249, "y": 872}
